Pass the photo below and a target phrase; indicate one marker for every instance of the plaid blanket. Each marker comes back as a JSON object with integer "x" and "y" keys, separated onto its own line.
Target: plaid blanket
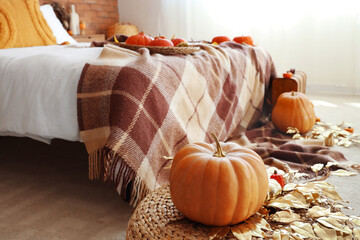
{"x": 280, "y": 150}
{"x": 134, "y": 112}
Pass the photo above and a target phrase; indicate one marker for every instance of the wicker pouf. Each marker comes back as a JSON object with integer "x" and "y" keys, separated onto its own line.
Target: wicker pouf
{"x": 157, "y": 218}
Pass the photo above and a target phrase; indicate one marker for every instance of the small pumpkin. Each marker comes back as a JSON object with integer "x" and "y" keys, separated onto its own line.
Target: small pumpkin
{"x": 139, "y": 39}
{"x": 161, "y": 42}
{"x": 279, "y": 178}
{"x": 287, "y": 75}
{"x": 220, "y": 39}
{"x": 177, "y": 41}
{"x": 275, "y": 189}
{"x": 293, "y": 109}
{"x": 218, "y": 184}
{"x": 244, "y": 40}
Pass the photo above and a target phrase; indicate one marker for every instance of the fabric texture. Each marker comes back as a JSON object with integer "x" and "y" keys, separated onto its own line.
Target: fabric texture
{"x": 23, "y": 25}
{"x": 280, "y": 150}
{"x": 38, "y": 87}
{"x": 55, "y": 25}
{"x": 131, "y": 116}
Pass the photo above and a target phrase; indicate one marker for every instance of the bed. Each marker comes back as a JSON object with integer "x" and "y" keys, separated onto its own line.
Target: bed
{"x": 132, "y": 110}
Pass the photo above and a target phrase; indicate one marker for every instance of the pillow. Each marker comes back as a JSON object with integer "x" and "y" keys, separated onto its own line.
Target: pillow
{"x": 22, "y": 25}
{"x": 57, "y": 28}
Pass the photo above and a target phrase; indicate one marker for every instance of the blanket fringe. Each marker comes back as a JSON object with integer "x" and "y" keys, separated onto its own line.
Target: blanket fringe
{"x": 96, "y": 165}
{"x": 129, "y": 186}
{"x": 106, "y": 165}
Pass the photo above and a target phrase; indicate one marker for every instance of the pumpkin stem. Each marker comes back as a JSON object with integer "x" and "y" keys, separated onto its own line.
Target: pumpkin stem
{"x": 219, "y": 152}
{"x": 292, "y": 93}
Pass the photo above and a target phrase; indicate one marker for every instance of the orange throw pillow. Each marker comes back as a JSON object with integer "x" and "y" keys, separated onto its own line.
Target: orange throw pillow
{"x": 23, "y": 25}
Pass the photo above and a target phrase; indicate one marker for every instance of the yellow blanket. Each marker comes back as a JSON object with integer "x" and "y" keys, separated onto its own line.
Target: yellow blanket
{"x": 23, "y": 25}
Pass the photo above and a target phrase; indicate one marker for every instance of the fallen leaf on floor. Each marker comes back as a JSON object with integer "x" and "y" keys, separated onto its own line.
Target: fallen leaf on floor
{"x": 317, "y": 167}
{"x": 285, "y": 216}
{"x": 343, "y": 173}
{"x": 304, "y": 229}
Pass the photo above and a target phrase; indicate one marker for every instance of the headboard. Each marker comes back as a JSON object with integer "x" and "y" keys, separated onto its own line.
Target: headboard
{"x": 98, "y": 14}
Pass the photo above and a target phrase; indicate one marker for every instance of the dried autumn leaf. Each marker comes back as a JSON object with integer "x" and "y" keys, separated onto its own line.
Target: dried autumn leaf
{"x": 304, "y": 229}
{"x": 297, "y": 136}
{"x": 293, "y": 199}
{"x": 355, "y": 220}
{"x": 217, "y": 233}
{"x": 324, "y": 232}
{"x": 292, "y": 130}
{"x": 331, "y": 193}
{"x": 343, "y": 173}
{"x": 356, "y": 233}
{"x": 317, "y": 211}
{"x": 285, "y": 216}
{"x": 334, "y": 224}
{"x": 259, "y": 222}
{"x": 255, "y": 230}
{"x": 241, "y": 232}
{"x": 317, "y": 167}
{"x": 289, "y": 187}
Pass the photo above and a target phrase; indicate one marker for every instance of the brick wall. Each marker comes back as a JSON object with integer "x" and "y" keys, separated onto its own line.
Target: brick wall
{"x": 97, "y": 14}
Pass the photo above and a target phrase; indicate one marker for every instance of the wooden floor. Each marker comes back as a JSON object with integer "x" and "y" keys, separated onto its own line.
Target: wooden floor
{"x": 45, "y": 194}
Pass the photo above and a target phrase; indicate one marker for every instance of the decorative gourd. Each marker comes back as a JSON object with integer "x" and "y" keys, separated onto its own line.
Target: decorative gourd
{"x": 161, "y": 42}
{"x": 218, "y": 184}
{"x": 287, "y": 75}
{"x": 220, "y": 39}
{"x": 293, "y": 109}
{"x": 279, "y": 178}
{"x": 177, "y": 41}
{"x": 139, "y": 39}
{"x": 275, "y": 189}
{"x": 244, "y": 39}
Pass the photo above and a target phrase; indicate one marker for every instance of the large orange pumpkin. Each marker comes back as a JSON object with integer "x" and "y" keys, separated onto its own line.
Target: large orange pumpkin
{"x": 218, "y": 184}
{"x": 293, "y": 109}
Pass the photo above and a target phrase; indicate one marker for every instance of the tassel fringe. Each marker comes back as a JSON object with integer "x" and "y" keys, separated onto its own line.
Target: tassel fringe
{"x": 106, "y": 165}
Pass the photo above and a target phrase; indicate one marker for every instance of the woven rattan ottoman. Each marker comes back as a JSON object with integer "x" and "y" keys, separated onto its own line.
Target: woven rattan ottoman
{"x": 157, "y": 218}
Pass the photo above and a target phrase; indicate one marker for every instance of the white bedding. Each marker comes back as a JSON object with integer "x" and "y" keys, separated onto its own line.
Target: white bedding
{"x": 38, "y": 87}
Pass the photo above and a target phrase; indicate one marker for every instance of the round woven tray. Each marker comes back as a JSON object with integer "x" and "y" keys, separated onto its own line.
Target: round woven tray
{"x": 162, "y": 50}
{"x": 157, "y": 218}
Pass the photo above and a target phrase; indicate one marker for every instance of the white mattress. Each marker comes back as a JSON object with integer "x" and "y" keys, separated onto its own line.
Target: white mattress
{"x": 38, "y": 87}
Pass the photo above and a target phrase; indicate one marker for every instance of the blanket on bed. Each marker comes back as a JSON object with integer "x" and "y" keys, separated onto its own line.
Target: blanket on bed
{"x": 132, "y": 115}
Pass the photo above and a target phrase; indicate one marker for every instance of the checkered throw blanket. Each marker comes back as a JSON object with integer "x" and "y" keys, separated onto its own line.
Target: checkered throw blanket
{"x": 134, "y": 112}
{"x": 280, "y": 150}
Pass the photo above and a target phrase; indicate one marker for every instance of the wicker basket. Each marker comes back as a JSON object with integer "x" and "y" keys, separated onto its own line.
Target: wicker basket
{"x": 157, "y": 218}
{"x": 162, "y": 50}
{"x": 122, "y": 28}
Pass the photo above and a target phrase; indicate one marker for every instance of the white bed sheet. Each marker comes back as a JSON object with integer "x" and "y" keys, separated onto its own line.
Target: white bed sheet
{"x": 38, "y": 87}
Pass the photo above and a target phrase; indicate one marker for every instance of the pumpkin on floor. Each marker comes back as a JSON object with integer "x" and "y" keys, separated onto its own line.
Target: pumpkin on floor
{"x": 218, "y": 184}
{"x": 293, "y": 109}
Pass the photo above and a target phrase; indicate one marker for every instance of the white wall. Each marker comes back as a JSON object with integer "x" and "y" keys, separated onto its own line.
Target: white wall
{"x": 319, "y": 37}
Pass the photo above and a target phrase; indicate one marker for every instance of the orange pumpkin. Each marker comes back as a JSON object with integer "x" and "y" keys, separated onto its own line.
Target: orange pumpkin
{"x": 220, "y": 39}
{"x": 161, "y": 42}
{"x": 177, "y": 41}
{"x": 293, "y": 109}
{"x": 244, "y": 39}
{"x": 218, "y": 184}
{"x": 139, "y": 39}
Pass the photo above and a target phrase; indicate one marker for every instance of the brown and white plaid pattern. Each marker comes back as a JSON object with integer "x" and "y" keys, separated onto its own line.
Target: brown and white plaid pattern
{"x": 280, "y": 149}
{"x": 132, "y": 115}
